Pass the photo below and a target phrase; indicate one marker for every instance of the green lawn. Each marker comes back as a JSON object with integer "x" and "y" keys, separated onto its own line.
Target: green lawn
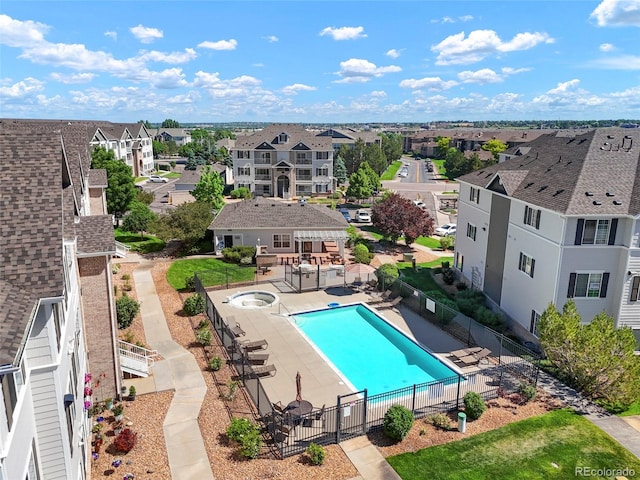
{"x": 390, "y": 172}
{"x": 144, "y": 244}
{"x": 439, "y": 166}
{"x": 549, "y": 446}
{"x": 634, "y": 409}
{"x": 173, "y": 175}
{"x": 422, "y": 279}
{"x": 372, "y": 231}
{"x": 429, "y": 242}
{"x": 221, "y": 271}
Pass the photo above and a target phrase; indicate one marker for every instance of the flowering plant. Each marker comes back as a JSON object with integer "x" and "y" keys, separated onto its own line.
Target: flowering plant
{"x": 87, "y": 377}
{"x": 87, "y": 404}
{"x": 88, "y": 391}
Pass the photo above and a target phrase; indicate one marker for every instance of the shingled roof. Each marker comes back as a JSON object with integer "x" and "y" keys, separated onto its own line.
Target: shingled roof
{"x": 593, "y": 173}
{"x": 273, "y": 214}
{"x": 296, "y": 133}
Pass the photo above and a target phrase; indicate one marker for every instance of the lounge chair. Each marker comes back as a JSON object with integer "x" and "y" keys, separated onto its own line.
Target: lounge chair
{"x": 278, "y": 407}
{"x": 465, "y": 352}
{"x": 237, "y": 330}
{"x": 390, "y": 304}
{"x": 248, "y": 346}
{"x": 474, "y": 358}
{"x": 381, "y": 298}
{"x": 265, "y": 371}
{"x": 257, "y": 357}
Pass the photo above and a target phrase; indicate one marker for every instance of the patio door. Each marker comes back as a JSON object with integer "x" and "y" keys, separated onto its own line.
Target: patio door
{"x": 283, "y": 186}
{"x": 307, "y": 247}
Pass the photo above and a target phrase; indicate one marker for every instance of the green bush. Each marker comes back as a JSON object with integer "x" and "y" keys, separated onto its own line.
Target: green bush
{"x": 238, "y": 428}
{"x": 335, "y": 196}
{"x": 615, "y": 407}
{"x": 397, "y": 422}
{"x": 235, "y": 254}
{"x": 475, "y": 296}
{"x": 194, "y": 305}
{"x": 246, "y": 261}
{"x": 203, "y": 336}
{"x": 361, "y": 253}
{"x": 215, "y": 363}
{"x": 441, "y": 421}
{"x": 190, "y": 283}
{"x": 247, "y": 434}
{"x": 445, "y": 264}
{"x": 474, "y": 405}
{"x": 447, "y": 242}
{"x": 467, "y": 306}
{"x": 461, "y": 286}
{"x": 527, "y": 392}
{"x": 316, "y": 453}
{"x": 242, "y": 192}
{"x": 448, "y": 276}
{"x": 387, "y": 274}
{"x": 126, "y": 310}
{"x": 486, "y": 317}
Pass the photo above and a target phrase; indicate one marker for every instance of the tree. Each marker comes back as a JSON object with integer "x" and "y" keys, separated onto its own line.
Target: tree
{"x": 223, "y": 133}
{"x": 159, "y": 148}
{"x": 363, "y": 183}
{"x": 391, "y": 146}
{"x": 168, "y": 123}
{"x": 187, "y": 223}
{"x": 209, "y": 189}
{"x": 596, "y": 358}
{"x": 121, "y": 189}
{"x": 494, "y": 146}
{"x": 374, "y": 157}
{"x": 443, "y": 146}
{"x": 396, "y": 216}
{"x": 144, "y": 197}
{"x": 339, "y": 170}
{"x": 139, "y": 218}
{"x": 146, "y": 123}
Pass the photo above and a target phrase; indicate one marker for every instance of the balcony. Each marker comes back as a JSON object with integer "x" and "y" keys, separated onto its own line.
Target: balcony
{"x": 121, "y": 249}
{"x": 304, "y": 178}
{"x": 263, "y": 177}
{"x": 136, "y": 360}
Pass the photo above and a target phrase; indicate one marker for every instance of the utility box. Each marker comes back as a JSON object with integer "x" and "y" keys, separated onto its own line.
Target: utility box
{"x": 408, "y": 257}
{"x": 462, "y": 422}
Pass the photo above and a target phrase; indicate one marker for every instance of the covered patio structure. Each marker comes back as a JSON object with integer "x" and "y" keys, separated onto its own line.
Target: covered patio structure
{"x": 332, "y": 241}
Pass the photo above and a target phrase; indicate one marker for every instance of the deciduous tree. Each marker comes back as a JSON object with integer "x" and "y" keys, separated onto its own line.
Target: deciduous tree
{"x": 442, "y": 146}
{"x": 169, "y": 123}
{"x": 495, "y": 146}
{"x": 187, "y": 223}
{"x": 139, "y": 218}
{"x": 120, "y": 184}
{"x": 209, "y": 189}
{"x": 396, "y": 216}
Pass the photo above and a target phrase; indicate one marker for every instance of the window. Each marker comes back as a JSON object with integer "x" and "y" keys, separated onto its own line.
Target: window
{"x": 535, "y": 319}
{"x": 526, "y": 264}
{"x": 474, "y": 195}
{"x": 322, "y": 172}
{"x": 588, "y": 285}
{"x": 635, "y": 289}
{"x": 244, "y": 171}
{"x": 244, "y": 154}
{"x": 471, "y": 231}
{"x": 532, "y": 217}
{"x": 322, "y": 155}
{"x": 322, "y": 188}
{"x": 70, "y": 411}
{"x": 459, "y": 261}
{"x": 302, "y": 157}
{"x": 596, "y": 232}
{"x": 281, "y": 241}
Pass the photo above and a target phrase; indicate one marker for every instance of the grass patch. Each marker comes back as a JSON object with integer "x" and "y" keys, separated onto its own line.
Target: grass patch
{"x": 372, "y": 231}
{"x": 173, "y": 175}
{"x": 221, "y": 272}
{"x": 137, "y": 243}
{"x": 549, "y": 446}
{"x": 429, "y": 242}
{"x": 140, "y": 179}
{"x": 634, "y": 409}
{"x": 391, "y": 171}
{"x": 422, "y": 279}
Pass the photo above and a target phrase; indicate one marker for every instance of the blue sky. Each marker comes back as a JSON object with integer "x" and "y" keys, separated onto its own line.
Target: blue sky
{"x": 330, "y": 61}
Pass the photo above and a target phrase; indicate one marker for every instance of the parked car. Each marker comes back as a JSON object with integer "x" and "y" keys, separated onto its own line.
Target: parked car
{"x": 158, "y": 179}
{"x": 420, "y": 203}
{"x": 345, "y": 213}
{"x": 403, "y": 173}
{"x": 363, "y": 216}
{"x": 446, "y": 230}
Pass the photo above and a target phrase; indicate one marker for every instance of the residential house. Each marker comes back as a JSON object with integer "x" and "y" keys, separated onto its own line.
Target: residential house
{"x": 279, "y": 227}
{"x": 285, "y": 161}
{"x": 179, "y": 136}
{"x": 558, "y": 218}
{"x": 55, "y": 275}
{"x": 130, "y": 142}
{"x": 349, "y": 137}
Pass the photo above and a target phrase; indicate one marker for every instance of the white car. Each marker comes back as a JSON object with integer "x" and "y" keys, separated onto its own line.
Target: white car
{"x": 419, "y": 203}
{"x": 363, "y": 216}
{"x": 158, "y": 179}
{"x": 446, "y": 230}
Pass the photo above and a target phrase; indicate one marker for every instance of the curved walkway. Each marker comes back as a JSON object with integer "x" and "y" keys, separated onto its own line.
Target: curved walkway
{"x": 179, "y": 371}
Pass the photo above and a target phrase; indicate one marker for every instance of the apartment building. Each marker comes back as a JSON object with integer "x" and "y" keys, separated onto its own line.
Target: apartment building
{"x": 557, "y": 218}
{"x": 55, "y": 276}
{"x": 131, "y": 142}
{"x": 284, "y": 161}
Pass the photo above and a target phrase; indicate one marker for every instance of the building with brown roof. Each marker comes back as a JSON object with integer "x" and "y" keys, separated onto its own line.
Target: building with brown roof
{"x": 558, "y": 218}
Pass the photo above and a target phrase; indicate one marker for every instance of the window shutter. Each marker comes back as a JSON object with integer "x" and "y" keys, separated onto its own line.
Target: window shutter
{"x": 572, "y": 285}
{"x": 579, "y": 231}
{"x": 533, "y": 266}
{"x": 526, "y": 209}
{"x": 538, "y": 219}
{"x": 603, "y": 286}
{"x": 533, "y": 321}
{"x": 635, "y": 287}
{"x": 612, "y": 231}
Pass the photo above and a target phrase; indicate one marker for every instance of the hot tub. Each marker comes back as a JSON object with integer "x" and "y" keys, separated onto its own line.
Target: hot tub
{"x": 253, "y": 299}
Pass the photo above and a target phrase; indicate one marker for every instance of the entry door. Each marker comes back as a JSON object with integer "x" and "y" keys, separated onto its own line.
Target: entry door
{"x": 283, "y": 186}
{"x": 228, "y": 241}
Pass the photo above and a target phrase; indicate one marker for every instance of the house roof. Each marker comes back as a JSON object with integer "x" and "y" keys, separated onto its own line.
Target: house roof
{"x": 297, "y": 134}
{"x": 273, "y": 214}
{"x": 98, "y": 178}
{"x": 95, "y": 235}
{"x": 592, "y": 173}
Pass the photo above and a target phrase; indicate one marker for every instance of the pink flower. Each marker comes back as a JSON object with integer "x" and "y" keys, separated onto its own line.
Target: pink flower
{"x": 87, "y": 391}
{"x": 87, "y": 377}
{"x": 87, "y": 404}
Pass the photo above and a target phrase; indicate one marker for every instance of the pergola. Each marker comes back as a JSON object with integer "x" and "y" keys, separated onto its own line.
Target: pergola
{"x": 338, "y": 236}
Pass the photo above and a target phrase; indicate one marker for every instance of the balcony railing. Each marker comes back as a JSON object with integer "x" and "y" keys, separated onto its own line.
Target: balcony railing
{"x": 304, "y": 177}
{"x": 263, "y": 177}
{"x": 121, "y": 249}
{"x": 136, "y": 360}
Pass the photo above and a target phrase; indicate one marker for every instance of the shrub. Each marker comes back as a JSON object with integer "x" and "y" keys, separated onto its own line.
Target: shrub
{"x": 126, "y": 440}
{"x": 446, "y": 242}
{"x": 132, "y": 392}
{"x": 202, "y": 323}
{"x": 527, "y": 392}
{"x": 215, "y": 363}
{"x": 242, "y": 192}
{"x": 335, "y": 196}
{"x": 488, "y": 318}
{"x": 461, "y": 286}
{"x": 397, "y": 422}
{"x": 126, "y": 277}
{"x": 235, "y": 254}
{"x": 246, "y": 261}
{"x": 238, "y": 428}
{"x": 194, "y": 305}
{"x": 251, "y": 443}
{"x": 190, "y": 283}
{"x": 445, "y": 264}
{"x": 127, "y": 287}
{"x": 441, "y": 421}
{"x": 126, "y": 310}
{"x": 467, "y": 306}
{"x": 476, "y": 296}
{"x": 203, "y": 336}
{"x": 316, "y": 454}
{"x": 612, "y": 406}
{"x": 474, "y": 405}
{"x": 361, "y": 253}
{"x": 232, "y": 388}
{"x": 448, "y": 276}
{"x": 387, "y": 274}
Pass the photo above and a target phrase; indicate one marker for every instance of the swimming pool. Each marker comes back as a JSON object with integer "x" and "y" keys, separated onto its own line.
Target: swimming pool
{"x": 368, "y": 351}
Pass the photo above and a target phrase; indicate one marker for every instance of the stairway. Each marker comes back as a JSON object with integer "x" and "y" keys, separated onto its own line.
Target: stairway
{"x": 136, "y": 360}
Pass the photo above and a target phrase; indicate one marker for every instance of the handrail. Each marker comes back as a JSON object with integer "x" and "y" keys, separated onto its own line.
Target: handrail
{"x": 281, "y": 305}
{"x": 135, "y": 352}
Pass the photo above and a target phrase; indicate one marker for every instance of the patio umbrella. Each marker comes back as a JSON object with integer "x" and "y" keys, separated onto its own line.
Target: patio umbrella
{"x": 298, "y": 387}
{"x": 360, "y": 269}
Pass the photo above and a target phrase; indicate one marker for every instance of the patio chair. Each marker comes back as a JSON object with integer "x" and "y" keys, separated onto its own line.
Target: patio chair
{"x": 265, "y": 371}
{"x": 237, "y": 330}
{"x": 381, "y": 298}
{"x": 257, "y": 357}
{"x": 279, "y": 407}
{"x": 390, "y": 304}
{"x": 475, "y": 358}
{"x": 248, "y": 346}
{"x": 465, "y": 352}
{"x": 316, "y": 420}
{"x": 284, "y": 433}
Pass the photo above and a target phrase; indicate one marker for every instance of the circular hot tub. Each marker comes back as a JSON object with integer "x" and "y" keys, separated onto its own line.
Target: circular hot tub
{"x": 253, "y": 299}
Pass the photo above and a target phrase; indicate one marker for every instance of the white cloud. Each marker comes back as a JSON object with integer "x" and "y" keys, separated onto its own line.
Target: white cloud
{"x": 358, "y": 70}
{"x": 466, "y": 18}
{"x": 513, "y": 71}
{"x": 25, "y": 88}
{"x": 430, "y": 83}
{"x": 621, "y": 62}
{"x": 111, "y": 34}
{"x": 569, "y": 96}
{"x": 220, "y": 45}
{"x": 462, "y": 18}
{"x": 16, "y": 33}
{"x": 457, "y": 50}
{"x": 448, "y": 20}
{"x": 379, "y": 94}
{"x": 393, "y": 53}
{"x": 169, "y": 78}
{"x": 146, "y": 34}
{"x": 484, "y": 76}
{"x": 344, "y": 33}
{"x": 617, "y": 13}
{"x": 172, "y": 58}
{"x": 297, "y": 87}
{"x": 72, "y": 78}
{"x": 271, "y": 38}
{"x": 607, "y": 47}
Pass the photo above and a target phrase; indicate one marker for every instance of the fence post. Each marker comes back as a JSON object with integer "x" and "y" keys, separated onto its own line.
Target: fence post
{"x": 500, "y": 357}
{"x": 413, "y": 400}
{"x": 458, "y": 393}
{"x": 338, "y": 426}
{"x": 364, "y": 413}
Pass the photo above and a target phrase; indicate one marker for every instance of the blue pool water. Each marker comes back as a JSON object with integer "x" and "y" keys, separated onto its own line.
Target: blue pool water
{"x": 368, "y": 351}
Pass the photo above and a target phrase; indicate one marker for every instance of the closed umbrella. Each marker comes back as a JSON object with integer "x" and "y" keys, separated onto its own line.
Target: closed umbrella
{"x": 360, "y": 269}
{"x": 298, "y": 387}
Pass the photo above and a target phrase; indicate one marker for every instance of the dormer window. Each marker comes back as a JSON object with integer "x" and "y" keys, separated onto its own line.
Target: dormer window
{"x": 283, "y": 138}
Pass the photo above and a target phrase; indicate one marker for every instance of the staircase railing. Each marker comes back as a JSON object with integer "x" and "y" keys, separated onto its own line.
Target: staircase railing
{"x": 136, "y": 358}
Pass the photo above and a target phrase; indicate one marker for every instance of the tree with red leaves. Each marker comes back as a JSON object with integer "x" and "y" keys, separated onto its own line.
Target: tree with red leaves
{"x": 396, "y": 216}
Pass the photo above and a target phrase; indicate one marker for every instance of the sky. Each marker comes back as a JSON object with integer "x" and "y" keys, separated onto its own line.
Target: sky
{"x": 320, "y": 62}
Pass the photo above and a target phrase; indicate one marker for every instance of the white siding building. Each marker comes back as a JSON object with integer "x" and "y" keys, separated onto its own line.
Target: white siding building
{"x": 130, "y": 142}
{"x": 558, "y": 218}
